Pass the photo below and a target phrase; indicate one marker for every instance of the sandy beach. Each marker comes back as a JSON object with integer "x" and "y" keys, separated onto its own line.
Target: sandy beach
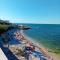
{"x": 27, "y": 40}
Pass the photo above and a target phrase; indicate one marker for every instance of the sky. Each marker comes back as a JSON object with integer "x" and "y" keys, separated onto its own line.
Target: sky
{"x": 30, "y": 11}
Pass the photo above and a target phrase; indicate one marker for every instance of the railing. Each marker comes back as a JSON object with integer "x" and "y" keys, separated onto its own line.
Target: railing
{"x": 2, "y": 55}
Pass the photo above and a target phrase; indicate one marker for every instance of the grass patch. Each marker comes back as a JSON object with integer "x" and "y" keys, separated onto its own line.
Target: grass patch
{"x": 3, "y": 28}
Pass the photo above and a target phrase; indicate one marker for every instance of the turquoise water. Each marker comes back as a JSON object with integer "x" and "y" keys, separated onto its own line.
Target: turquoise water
{"x": 47, "y": 34}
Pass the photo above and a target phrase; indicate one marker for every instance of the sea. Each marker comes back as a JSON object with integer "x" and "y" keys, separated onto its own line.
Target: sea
{"x": 46, "y": 34}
